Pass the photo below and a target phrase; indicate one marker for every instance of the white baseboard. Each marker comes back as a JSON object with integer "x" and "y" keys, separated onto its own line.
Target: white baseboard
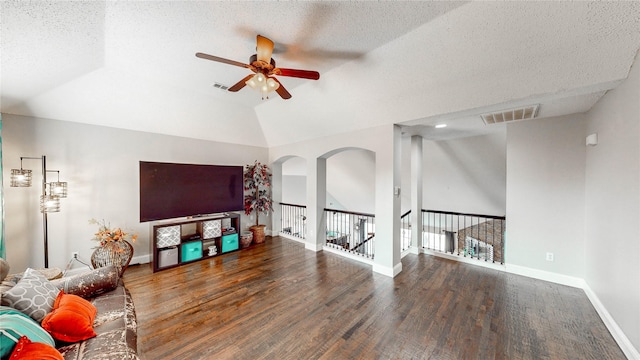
{"x": 307, "y": 245}
{"x": 351, "y": 256}
{"x": 380, "y": 269}
{"x": 466, "y": 260}
{"x": 619, "y": 336}
{"x": 546, "y": 276}
{"x": 411, "y": 250}
{"x": 397, "y": 269}
{"x": 387, "y": 271}
{"x": 312, "y": 247}
{"x": 141, "y": 259}
{"x": 290, "y": 237}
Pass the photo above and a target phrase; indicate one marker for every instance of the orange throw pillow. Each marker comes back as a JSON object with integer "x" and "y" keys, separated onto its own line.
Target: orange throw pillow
{"x": 28, "y": 350}
{"x": 71, "y": 319}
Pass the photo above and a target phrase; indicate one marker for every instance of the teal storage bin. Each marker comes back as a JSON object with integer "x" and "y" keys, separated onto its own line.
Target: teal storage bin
{"x": 191, "y": 251}
{"x": 229, "y": 242}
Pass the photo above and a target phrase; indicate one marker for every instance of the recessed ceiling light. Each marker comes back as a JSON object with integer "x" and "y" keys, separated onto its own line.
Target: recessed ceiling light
{"x": 440, "y": 126}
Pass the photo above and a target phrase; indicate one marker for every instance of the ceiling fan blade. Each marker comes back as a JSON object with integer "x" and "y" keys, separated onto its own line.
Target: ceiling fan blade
{"x": 240, "y": 84}
{"x": 282, "y": 91}
{"x": 264, "y": 48}
{"x": 304, "y": 74}
{"x": 224, "y": 61}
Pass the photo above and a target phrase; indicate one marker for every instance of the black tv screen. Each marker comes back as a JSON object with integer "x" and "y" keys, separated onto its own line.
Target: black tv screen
{"x": 171, "y": 190}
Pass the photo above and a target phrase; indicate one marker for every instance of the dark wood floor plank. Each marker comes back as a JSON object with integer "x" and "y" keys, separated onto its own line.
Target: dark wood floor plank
{"x": 280, "y": 301}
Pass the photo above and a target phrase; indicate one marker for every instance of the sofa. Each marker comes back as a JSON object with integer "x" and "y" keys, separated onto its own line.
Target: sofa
{"x": 111, "y": 335}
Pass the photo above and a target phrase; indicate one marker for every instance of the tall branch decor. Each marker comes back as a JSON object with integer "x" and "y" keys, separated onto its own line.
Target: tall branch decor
{"x": 257, "y": 195}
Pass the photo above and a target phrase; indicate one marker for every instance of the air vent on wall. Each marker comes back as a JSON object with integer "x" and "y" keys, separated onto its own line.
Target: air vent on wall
{"x": 523, "y": 113}
{"x": 220, "y": 86}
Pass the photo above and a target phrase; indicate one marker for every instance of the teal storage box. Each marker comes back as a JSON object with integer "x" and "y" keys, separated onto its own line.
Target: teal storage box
{"x": 191, "y": 251}
{"x": 229, "y": 242}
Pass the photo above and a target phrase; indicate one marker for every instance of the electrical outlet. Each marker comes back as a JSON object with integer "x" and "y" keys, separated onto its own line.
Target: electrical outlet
{"x": 74, "y": 255}
{"x": 549, "y": 256}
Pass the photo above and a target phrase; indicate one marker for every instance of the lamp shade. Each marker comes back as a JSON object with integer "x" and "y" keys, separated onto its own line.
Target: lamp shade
{"x": 49, "y": 203}
{"x": 58, "y": 189}
{"x": 252, "y": 82}
{"x": 20, "y": 178}
{"x": 272, "y": 84}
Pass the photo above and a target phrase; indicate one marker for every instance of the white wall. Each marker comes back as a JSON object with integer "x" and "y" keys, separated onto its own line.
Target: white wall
{"x": 294, "y": 181}
{"x": 612, "y": 241}
{"x": 294, "y": 189}
{"x": 351, "y": 181}
{"x": 101, "y": 166}
{"x": 466, "y": 175}
{"x": 545, "y": 194}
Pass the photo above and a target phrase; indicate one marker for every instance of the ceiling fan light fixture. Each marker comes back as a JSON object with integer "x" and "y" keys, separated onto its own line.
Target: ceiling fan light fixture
{"x": 272, "y": 84}
{"x": 252, "y": 83}
{"x": 264, "y": 84}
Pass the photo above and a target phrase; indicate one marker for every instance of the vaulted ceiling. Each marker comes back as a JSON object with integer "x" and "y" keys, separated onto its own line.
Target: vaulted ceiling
{"x": 132, "y": 65}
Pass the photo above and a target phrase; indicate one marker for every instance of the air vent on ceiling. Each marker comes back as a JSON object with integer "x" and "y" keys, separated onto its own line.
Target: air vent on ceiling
{"x": 523, "y": 113}
{"x": 220, "y": 86}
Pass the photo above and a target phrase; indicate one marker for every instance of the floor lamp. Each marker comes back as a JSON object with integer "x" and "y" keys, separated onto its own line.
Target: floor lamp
{"x": 51, "y": 194}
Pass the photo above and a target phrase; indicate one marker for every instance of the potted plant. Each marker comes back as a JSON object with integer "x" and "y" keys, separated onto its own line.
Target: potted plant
{"x": 257, "y": 196}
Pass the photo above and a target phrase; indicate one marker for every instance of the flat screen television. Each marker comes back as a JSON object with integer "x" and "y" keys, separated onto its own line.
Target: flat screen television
{"x": 172, "y": 190}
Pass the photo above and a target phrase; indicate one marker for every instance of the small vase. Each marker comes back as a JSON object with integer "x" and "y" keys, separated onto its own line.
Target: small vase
{"x": 246, "y": 238}
{"x": 116, "y": 253}
{"x": 258, "y": 233}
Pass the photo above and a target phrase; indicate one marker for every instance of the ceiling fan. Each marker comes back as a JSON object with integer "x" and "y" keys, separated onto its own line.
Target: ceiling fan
{"x": 264, "y": 67}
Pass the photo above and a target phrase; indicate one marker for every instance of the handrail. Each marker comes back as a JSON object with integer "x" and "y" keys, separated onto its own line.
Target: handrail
{"x": 350, "y": 212}
{"x": 296, "y": 205}
{"x": 371, "y": 236}
{"x": 466, "y": 214}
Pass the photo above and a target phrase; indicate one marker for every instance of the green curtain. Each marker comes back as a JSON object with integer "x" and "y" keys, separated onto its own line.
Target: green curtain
{"x": 2, "y": 250}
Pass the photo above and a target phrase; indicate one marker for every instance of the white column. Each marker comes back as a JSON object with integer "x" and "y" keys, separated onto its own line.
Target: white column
{"x": 316, "y": 202}
{"x": 387, "y": 260}
{"x": 416, "y": 193}
{"x": 276, "y": 196}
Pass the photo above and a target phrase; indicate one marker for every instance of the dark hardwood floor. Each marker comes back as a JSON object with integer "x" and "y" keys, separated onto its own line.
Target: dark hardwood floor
{"x": 280, "y": 301}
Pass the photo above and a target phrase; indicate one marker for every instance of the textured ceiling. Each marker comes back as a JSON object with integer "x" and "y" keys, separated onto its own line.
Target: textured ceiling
{"x": 132, "y": 65}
